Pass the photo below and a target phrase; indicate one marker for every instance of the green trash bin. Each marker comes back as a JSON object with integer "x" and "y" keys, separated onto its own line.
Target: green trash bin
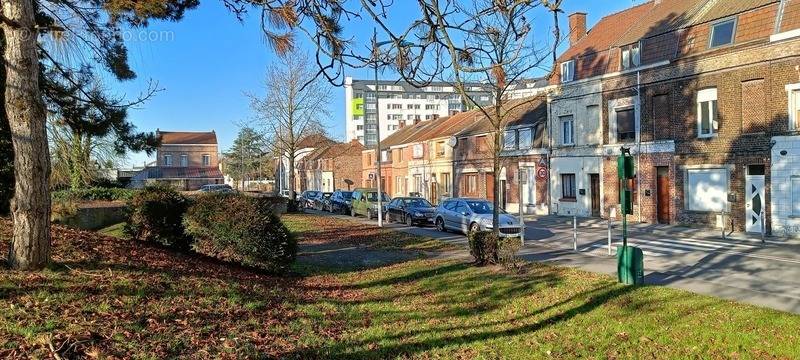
{"x": 630, "y": 265}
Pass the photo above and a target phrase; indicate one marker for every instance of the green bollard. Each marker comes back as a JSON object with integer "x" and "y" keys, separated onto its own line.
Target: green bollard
{"x": 630, "y": 265}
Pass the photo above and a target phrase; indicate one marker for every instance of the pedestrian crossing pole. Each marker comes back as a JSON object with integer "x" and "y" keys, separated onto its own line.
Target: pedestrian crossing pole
{"x": 630, "y": 260}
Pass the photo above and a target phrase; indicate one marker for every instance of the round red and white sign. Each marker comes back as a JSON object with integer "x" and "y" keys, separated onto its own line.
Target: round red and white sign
{"x": 541, "y": 173}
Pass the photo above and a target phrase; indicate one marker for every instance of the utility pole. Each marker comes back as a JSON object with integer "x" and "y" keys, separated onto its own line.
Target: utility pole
{"x": 379, "y": 153}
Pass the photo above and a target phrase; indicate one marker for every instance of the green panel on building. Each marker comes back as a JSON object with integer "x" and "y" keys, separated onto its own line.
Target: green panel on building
{"x": 358, "y": 107}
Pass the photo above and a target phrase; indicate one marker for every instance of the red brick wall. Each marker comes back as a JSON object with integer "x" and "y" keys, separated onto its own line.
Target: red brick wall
{"x": 647, "y": 172}
{"x": 791, "y": 16}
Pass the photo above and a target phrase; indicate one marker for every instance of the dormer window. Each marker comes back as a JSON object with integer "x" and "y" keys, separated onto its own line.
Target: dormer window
{"x": 631, "y": 57}
{"x": 722, "y": 33}
{"x": 567, "y": 71}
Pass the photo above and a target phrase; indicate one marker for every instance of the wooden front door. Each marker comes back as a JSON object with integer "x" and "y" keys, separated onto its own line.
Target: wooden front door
{"x": 489, "y": 186}
{"x": 594, "y": 180}
{"x": 662, "y": 194}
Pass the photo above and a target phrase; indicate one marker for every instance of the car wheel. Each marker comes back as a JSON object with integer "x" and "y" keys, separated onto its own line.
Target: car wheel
{"x": 409, "y": 220}
{"x": 369, "y": 214}
{"x": 440, "y": 225}
{"x": 474, "y": 227}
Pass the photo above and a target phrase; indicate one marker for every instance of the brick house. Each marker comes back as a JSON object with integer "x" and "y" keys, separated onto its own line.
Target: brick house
{"x": 524, "y": 141}
{"x": 185, "y": 160}
{"x": 702, "y": 93}
{"x": 431, "y": 154}
{"x": 395, "y": 155}
{"x": 575, "y": 115}
{"x": 304, "y": 147}
{"x": 333, "y": 167}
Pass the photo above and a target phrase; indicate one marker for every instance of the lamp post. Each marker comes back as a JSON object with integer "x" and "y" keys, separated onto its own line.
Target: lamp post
{"x": 379, "y": 153}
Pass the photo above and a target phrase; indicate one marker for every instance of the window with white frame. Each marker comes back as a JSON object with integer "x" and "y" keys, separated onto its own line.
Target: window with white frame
{"x": 167, "y": 160}
{"x": 524, "y": 138}
{"x": 567, "y": 130}
{"x": 384, "y": 155}
{"x": 707, "y": 189}
{"x": 184, "y": 160}
{"x": 206, "y": 160}
{"x": 416, "y": 151}
{"x": 626, "y": 125}
{"x": 794, "y": 106}
{"x": 795, "y": 195}
{"x": 722, "y": 33}
{"x": 568, "y": 71}
{"x": 707, "y": 124}
{"x": 510, "y": 140}
{"x": 631, "y": 57}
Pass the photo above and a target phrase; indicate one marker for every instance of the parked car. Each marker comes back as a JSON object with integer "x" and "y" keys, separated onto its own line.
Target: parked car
{"x": 365, "y": 202}
{"x": 218, "y": 188}
{"x": 410, "y": 210}
{"x": 306, "y": 199}
{"x": 319, "y": 200}
{"x": 339, "y": 202}
{"x": 469, "y": 215}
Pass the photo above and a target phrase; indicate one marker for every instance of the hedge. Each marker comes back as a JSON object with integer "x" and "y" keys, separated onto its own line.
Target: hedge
{"x": 155, "y": 214}
{"x": 242, "y": 229}
{"x": 95, "y": 193}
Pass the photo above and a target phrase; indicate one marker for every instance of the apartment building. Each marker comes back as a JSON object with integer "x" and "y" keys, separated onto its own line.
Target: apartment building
{"x": 703, "y": 94}
{"x": 401, "y": 104}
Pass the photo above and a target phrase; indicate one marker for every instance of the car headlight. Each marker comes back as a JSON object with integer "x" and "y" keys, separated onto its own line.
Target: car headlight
{"x": 374, "y": 206}
{"x": 418, "y": 214}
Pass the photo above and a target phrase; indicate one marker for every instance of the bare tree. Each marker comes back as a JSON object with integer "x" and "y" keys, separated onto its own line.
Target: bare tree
{"x": 485, "y": 41}
{"x": 456, "y": 41}
{"x": 293, "y": 107}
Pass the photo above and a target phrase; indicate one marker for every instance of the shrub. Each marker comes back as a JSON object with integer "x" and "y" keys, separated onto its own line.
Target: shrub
{"x": 156, "y": 214}
{"x": 62, "y": 209}
{"x": 483, "y": 247}
{"x": 95, "y": 193}
{"x": 241, "y": 229}
{"x": 507, "y": 249}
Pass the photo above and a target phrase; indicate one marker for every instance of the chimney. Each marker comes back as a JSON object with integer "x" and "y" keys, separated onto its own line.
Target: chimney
{"x": 577, "y": 27}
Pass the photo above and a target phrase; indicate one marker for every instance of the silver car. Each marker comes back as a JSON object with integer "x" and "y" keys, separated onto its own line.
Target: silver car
{"x": 468, "y": 215}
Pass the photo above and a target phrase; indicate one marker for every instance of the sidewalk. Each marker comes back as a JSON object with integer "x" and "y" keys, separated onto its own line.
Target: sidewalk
{"x": 738, "y": 268}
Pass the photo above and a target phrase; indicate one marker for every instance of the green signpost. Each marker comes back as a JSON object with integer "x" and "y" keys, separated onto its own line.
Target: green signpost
{"x": 630, "y": 259}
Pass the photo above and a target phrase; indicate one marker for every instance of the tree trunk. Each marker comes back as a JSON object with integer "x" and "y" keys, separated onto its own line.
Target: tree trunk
{"x": 30, "y": 243}
{"x": 496, "y": 183}
{"x": 75, "y": 159}
{"x": 291, "y": 176}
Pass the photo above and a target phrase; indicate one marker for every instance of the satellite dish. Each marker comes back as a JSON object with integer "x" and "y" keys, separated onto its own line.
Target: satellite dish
{"x": 452, "y": 141}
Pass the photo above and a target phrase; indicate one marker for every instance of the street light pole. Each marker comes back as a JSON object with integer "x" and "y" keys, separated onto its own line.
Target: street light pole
{"x": 379, "y": 153}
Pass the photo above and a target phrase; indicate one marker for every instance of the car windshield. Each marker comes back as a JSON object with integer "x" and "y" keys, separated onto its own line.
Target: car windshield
{"x": 373, "y": 196}
{"x": 480, "y": 207}
{"x": 347, "y": 195}
{"x": 312, "y": 194}
{"x": 417, "y": 203}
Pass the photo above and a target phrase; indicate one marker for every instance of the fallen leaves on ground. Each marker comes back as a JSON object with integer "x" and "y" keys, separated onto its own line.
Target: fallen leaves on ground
{"x": 318, "y": 230}
{"x": 109, "y": 297}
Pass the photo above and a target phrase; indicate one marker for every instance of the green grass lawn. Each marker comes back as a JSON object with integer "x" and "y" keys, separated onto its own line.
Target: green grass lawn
{"x": 113, "y": 297}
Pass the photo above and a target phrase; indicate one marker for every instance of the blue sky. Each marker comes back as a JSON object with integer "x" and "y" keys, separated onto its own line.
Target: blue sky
{"x": 208, "y": 61}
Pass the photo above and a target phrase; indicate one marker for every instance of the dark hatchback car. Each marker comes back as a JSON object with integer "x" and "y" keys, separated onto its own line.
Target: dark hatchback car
{"x": 320, "y": 199}
{"x": 306, "y": 199}
{"x": 410, "y": 210}
{"x": 339, "y": 202}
